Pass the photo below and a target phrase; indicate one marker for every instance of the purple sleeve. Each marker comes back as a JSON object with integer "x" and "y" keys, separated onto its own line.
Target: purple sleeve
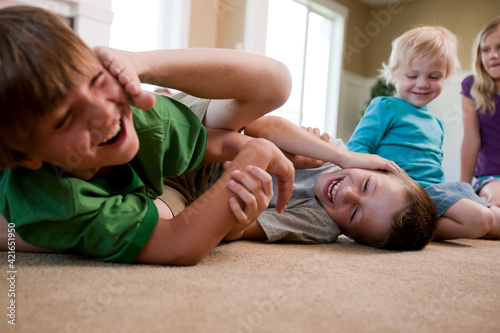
{"x": 467, "y": 85}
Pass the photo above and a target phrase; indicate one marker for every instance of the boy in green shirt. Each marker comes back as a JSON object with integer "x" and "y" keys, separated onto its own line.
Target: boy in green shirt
{"x": 87, "y": 177}
{"x": 74, "y": 177}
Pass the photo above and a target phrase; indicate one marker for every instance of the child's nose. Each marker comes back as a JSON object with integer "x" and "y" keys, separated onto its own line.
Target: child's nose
{"x": 351, "y": 195}
{"x": 422, "y": 83}
{"x": 100, "y": 114}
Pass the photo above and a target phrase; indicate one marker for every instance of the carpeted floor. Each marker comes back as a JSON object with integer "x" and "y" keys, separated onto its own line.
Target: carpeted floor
{"x": 258, "y": 287}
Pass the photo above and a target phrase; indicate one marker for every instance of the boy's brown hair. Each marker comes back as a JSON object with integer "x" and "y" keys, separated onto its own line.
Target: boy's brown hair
{"x": 413, "y": 226}
{"x": 41, "y": 62}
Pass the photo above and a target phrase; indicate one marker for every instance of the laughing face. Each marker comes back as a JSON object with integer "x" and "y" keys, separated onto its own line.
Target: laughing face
{"x": 91, "y": 129}
{"x": 490, "y": 55}
{"x": 422, "y": 82}
{"x": 360, "y": 201}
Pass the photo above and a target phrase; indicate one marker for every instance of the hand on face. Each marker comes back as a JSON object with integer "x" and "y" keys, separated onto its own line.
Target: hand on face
{"x": 121, "y": 65}
{"x": 368, "y": 161}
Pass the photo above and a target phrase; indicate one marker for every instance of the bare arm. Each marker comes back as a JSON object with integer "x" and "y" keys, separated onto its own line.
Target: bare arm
{"x": 471, "y": 141}
{"x": 294, "y": 140}
{"x": 188, "y": 237}
{"x": 249, "y": 85}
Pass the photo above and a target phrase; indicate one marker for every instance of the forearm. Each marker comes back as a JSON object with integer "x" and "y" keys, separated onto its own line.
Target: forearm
{"x": 468, "y": 159}
{"x": 223, "y": 145}
{"x": 216, "y": 74}
{"x": 188, "y": 237}
{"x": 471, "y": 141}
{"x": 294, "y": 140}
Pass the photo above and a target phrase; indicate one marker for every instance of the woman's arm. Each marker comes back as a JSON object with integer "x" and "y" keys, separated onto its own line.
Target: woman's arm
{"x": 188, "y": 237}
{"x": 471, "y": 141}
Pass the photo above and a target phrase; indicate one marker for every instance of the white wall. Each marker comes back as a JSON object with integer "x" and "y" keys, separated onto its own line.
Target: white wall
{"x": 448, "y": 107}
{"x": 355, "y": 91}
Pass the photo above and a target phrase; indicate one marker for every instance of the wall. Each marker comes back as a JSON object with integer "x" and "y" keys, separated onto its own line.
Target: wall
{"x": 204, "y": 23}
{"x": 462, "y": 17}
{"x": 92, "y": 17}
{"x": 231, "y": 20}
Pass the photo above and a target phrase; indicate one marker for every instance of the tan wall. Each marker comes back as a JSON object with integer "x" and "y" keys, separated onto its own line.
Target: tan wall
{"x": 369, "y": 31}
{"x": 462, "y": 17}
{"x": 354, "y": 61}
{"x": 231, "y": 20}
{"x": 204, "y": 24}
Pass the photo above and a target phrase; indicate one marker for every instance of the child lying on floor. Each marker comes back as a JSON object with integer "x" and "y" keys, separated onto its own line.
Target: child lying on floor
{"x": 381, "y": 209}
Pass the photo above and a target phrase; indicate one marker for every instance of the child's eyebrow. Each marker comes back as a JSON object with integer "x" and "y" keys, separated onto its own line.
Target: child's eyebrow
{"x": 94, "y": 79}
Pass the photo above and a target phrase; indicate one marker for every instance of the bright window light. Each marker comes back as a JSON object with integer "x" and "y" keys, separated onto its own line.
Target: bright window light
{"x": 135, "y": 25}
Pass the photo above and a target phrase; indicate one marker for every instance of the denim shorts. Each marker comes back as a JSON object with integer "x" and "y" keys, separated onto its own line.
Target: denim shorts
{"x": 444, "y": 195}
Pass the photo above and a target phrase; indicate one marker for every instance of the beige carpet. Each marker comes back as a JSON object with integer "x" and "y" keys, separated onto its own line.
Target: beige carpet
{"x": 258, "y": 287}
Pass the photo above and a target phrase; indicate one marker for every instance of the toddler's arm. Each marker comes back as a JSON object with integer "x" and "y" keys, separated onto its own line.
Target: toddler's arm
{"x": 294, "y": 140}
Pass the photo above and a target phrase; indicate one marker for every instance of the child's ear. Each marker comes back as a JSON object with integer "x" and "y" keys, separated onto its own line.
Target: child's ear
{"x": 30, "y": 163}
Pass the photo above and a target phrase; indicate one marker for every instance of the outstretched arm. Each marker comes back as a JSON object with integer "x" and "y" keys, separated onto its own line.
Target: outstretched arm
{"x": 295, "y": 140}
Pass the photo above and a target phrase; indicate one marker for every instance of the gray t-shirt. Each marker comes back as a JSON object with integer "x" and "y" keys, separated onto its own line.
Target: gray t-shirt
{"x": 303, "y": 220}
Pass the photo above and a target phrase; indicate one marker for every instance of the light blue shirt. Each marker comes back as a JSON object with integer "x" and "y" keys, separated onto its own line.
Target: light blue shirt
{"x": 412, "y": 137}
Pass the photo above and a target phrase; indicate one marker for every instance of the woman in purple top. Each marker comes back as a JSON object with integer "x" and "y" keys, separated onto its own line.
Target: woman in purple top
{"x": 480, "y": 154}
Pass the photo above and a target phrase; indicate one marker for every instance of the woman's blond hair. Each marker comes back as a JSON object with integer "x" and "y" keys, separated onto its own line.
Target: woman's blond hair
{"x": 483, "y": 89}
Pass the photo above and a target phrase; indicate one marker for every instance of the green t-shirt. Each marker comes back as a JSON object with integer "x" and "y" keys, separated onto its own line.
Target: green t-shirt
{"x": 108, "y": 218}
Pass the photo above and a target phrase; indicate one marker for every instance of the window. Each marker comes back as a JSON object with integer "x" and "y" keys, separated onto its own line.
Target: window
{"x": 307, "y": 38}
{"x": 150, "y": 24}
{"x": 134, "y": 27}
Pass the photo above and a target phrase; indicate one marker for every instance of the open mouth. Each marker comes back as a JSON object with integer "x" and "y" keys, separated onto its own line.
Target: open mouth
{"x": 332, "y": 189}
{"x": 113, "y": 135}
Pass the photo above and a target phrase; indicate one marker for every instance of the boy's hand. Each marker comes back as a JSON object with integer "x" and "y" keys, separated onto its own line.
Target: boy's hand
{"x": 275, "y": 162}
{"x": 253, "y": 193}
{"x": 121, "y": 65}
{"x": 368, "y": 161}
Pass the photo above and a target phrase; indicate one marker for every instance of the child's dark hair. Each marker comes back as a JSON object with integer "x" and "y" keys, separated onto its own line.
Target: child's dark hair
{"x": 41, "y": 62}
{"x": 413, "y": 226}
